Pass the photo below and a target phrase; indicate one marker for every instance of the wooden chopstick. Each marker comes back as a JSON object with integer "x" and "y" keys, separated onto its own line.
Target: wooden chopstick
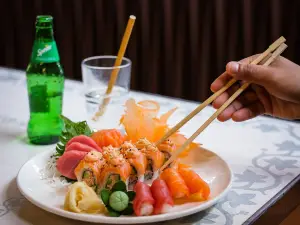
{"x": 117, "y": 64}
{"x": 276, "y": 53}
{"x": 260, "y": 58}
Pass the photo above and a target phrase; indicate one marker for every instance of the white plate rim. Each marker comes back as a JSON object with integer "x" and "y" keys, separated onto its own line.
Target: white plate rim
{"x": 94, "y": 218}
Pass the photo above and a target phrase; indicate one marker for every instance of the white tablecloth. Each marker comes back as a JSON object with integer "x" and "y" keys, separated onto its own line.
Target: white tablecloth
{"x": 264, "y": 154}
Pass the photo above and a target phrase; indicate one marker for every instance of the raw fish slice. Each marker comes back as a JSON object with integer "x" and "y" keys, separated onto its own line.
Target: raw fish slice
{"x": 83, "y": 139}
{"x": 143, "y": 201}
{"x": 193, "y": 181}
{"x": 79, "y": 147}
{"x": 67, "y": 163}
{"x": 175, "y": 183}
{"x": 107, "y": 137}
{"x": 162, "y": 197}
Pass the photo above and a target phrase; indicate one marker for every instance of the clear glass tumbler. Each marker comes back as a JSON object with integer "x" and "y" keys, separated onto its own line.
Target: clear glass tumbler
{"x": 96, "y": 73}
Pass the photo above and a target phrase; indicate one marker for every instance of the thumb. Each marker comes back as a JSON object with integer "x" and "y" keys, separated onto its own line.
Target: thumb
{"x": 251, "y": 73}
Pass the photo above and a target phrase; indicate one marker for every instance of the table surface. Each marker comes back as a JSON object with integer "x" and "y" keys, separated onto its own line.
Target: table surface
{"x": 263, "y": 153}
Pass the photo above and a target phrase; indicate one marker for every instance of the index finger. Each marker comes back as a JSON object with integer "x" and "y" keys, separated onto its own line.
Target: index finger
{"x": 224, "y": 78}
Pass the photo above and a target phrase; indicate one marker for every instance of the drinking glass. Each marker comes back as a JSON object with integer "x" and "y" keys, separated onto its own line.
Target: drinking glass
{"x": 96, "y": 73}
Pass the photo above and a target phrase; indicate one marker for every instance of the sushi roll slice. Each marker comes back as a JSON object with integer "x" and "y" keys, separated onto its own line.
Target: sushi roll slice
{"x": 89, "y": 169}
{"x": 115, "y": 169}
{"x": 136, "y": 159}
{"x": 162, "y": 197}
{"x": 155, "y": 158}
{"x": 143, "y": 203}
{"x": 167, "y": 147}
{"x": 175, "y": 183}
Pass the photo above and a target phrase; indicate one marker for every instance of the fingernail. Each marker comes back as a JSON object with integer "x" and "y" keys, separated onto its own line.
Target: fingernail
{"x": 233, "y": 67}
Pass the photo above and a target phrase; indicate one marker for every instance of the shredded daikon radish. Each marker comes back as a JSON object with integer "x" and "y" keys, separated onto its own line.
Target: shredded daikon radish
{"x": 51, "y": 175}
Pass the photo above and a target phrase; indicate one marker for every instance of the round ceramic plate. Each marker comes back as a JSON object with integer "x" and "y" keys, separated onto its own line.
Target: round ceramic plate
{"x": 207, "y": 164}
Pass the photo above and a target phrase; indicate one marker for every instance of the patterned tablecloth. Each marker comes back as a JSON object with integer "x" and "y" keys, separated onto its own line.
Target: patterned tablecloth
{"x": 263, "y": 153}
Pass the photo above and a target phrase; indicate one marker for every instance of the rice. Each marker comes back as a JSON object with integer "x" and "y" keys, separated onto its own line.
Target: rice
{"x": 166, "y": 208}
{"x": 146, "y": 209}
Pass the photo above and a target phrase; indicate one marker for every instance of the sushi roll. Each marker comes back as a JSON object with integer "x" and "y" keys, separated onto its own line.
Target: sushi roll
{"x": 89, "y": 169}
{"x": 167, "y": 147}
{"x": 136, "y": 159}
{"x": 115, "y": 169}
{"x": 143, "y": 203}
{"x": 193, "y": 181}
{"x": 175, "y": 183}
{"x": 162, "y": 197}
{"x": 111, "y": 152}
{"x": 155, "y": 158}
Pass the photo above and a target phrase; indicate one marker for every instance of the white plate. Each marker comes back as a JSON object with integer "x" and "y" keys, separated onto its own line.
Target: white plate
{"x": 207, "y": 164}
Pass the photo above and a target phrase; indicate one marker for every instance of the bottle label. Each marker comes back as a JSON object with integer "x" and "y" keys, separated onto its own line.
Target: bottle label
{"x": 44, "y": 52}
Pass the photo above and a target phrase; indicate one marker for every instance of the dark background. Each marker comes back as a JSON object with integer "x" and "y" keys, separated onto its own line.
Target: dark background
{"x": 177, "y": 47}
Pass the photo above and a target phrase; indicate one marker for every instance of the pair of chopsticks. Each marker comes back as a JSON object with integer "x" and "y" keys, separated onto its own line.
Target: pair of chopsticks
{"x": 276, "y": 49}
{"x": 116, "y": 69}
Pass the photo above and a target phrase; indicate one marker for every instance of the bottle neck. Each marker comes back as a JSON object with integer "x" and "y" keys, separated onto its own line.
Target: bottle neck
{"x": 44, "y": 34}
{"x": 44, "y": 48}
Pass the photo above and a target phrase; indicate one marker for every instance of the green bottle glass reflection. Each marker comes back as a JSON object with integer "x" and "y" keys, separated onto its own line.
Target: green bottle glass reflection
{"x": 45, "y": 84}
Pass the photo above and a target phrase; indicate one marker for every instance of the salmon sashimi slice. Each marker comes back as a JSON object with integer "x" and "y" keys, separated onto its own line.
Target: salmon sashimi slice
{"x": 83, "y": 139}
{"x": 175, "y": 183}
{"x": 193, "y": 181}
{"x": 196, "y": 197}
{"x": 107, "y": 137}
{"x": 67, "y": 163}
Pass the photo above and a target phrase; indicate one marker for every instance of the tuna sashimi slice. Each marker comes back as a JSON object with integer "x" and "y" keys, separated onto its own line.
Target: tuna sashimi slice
{"x": 67, "y": 163}
{"x": 83, "y": 139}
{"x": 79, "y": 147}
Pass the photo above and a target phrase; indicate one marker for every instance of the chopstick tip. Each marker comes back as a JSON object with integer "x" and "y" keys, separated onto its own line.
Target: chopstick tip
{"x": 132, "y": 17}
{"x": 282, "y": 39}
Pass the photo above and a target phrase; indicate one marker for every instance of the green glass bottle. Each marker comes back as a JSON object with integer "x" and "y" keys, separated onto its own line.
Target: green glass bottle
{"x": 45, "y": 85}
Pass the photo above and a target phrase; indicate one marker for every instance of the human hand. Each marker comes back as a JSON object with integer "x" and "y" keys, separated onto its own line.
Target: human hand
{"x": 274, "y": 90}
